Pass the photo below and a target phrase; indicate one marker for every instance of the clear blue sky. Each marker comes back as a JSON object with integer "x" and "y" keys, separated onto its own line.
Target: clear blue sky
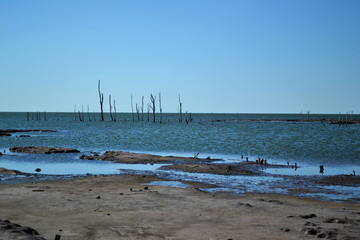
{"x": 253, "y": 56}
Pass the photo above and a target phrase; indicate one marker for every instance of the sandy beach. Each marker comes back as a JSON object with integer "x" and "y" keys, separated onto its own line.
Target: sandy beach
{"x": 125, "y": 207}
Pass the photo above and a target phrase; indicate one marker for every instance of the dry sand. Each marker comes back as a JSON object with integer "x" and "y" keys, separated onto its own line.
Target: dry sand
{"x": 124, "y": 207}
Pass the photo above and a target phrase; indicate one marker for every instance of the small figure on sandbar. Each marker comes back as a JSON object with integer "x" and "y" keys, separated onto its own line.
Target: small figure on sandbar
{"x": 322, "y": 169}
{"x": 354, "y": 172}
{"x": 247, "y": 159}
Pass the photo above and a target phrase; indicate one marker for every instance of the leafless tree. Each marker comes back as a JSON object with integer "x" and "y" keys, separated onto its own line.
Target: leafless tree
{"x": 142, "y": 108}
{"x": 180, "y": 109}
{"x": 82, "y": 112}
{"x": 75, "y": 111}
{"x": 308, "y": 115}
{"x": 153, "y": 101}
{"x": 160, "y": 107}
{"x": 148, "y": 112}
{"x": 339, "y": 118}
{"x": 114, "y": 111}
{"x": 88, "y": 113}
{"x": 137, "y": 112}
{"x": 132, "y": 108}
{"x": 101, "y": 97}
{"x": 111, "y": 116}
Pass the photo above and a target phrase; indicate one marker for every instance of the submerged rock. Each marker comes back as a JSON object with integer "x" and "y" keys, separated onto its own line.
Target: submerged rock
{"x": 42, "y": 150}
{"x": 5, "y": 134}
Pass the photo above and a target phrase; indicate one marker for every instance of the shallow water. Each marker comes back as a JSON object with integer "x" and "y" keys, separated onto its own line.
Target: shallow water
{"x": 309, "y": 144}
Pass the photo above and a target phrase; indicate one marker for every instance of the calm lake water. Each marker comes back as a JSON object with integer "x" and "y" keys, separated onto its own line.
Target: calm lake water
{"x": 309, "y": 144}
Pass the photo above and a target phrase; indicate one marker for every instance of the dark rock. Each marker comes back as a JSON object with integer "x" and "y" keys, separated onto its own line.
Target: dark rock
{"x": 23, "y": 136}
{"x": 16, "y": 231}
{"x": 321, "y": 235}
{"x": 4, "y": 134}
{"x": 98, "y": 197}
{"x": 311, "y": 231}
{"x": 307, "y": 216}
{"x": 276, "y": 201}
{"x": 310, "y": 224}
{"x": 239, "y": 204}
{"x": 38, "y": 170}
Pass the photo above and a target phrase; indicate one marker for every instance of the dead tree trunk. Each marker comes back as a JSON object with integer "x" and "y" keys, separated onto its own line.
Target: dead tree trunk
{"x": 132, "y": 108}
{"x": 180, "y": 109}
{"x": 339, "y": 119}
{"x": 82, "y": 112}
{"x": 88, "y": 113}
{"x": 101, "y": 96}
{"x": 114, "y": 111}
{"x": 80, "y": 118}
{"x": 160, "y": 108}
{"x": 308, "y": 115}
{"x": 142, "y": 108}
{"x": 153, "y": 101}
{"x": 137, "y": 112}
{"x": 111, "y": 116}
{"x": 148, "y": 112}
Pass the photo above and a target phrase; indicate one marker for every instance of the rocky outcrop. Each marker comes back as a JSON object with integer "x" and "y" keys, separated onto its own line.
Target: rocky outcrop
{"x": 42, "y": 150}
{"x": 128, "y": 157}
{"x": 4, "y": 171}
{"x": 9, "y": 230}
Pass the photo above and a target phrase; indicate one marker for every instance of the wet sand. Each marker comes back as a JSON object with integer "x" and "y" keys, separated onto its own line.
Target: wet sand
{"x": 125, "y": 207}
